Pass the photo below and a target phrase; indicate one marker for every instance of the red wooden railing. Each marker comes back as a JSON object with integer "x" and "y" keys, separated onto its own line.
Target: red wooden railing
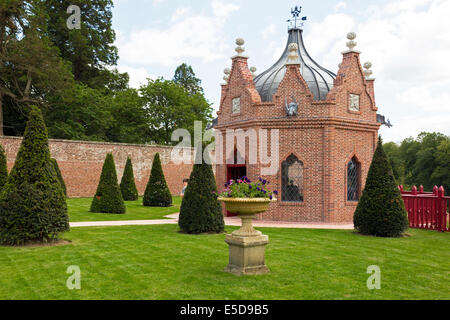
{"x": 427, "y": 210}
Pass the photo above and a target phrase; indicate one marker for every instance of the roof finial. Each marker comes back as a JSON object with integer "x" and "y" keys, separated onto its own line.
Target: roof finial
{"x": 368, "y": 73}
{"x": 351, "y": 44}
{"x": 293, "y": 57}
{"x": 240, "y": 49}
{"x": 253, "y": 71}
{"x": 296, "y": 17}
{"x": 227, "y": 73}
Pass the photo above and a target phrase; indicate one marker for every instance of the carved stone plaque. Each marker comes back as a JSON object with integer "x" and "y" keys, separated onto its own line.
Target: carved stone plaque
{"x": 236, "y": 106}
{"x": 353, "y": 102}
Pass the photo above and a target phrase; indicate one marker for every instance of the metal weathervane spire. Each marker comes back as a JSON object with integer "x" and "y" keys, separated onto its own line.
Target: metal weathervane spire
{"x": 297, "y": 21}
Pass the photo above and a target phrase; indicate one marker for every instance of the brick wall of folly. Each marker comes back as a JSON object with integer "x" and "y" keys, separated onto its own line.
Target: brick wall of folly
{"x": 81, "y": 163}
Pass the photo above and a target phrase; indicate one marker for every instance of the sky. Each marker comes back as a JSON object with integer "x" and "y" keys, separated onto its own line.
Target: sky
{"x": 407, "y": 41}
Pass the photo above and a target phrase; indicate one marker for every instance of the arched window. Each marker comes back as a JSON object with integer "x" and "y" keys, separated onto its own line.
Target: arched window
{"x": 292, "y": 180}
{"x": 353, "y": 174}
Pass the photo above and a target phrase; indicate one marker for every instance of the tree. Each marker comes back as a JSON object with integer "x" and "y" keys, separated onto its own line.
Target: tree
{"x": 89, "y": 49}
{"x": 398, "y": 166}
{"x": 59, "y": 175}
{"x": 108, "y": 198}
{"x": 381, "y": 210}
{"x": 441, "y": 175}
{"x": 30, "y": 66}
{"x": 426, "y": 162}
{"x": 3, "y": 168}
{"x": 157, "y": 193}
{"x": 185, "y": 77}
{"x": 80, "y": 113}
{"x": 170, "y": 107}
{"x": 200, "y": 211}
{"x": 130, "y": 120}
{"x": 128, "y": 185}
{"x": 32, "y": 203}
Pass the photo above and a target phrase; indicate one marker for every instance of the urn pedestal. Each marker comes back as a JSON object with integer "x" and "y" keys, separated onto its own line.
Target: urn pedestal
{"x": 247, "y": 246}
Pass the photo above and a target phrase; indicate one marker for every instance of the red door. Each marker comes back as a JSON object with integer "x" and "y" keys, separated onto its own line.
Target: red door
{"x": 235, "y": 172}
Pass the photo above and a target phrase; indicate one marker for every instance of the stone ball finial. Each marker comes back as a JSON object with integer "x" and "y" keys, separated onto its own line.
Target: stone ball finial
{"x": 253, "y": 71}
{"x": 351, "y": 36}
{"x": 293, "y": 47}
{"x": 293, "y": 57}
{"x": 368, "y": 73}
{"x": 227, "y": 72}
{"x": 351, "y": 44}
{"x": 240, "y": 49}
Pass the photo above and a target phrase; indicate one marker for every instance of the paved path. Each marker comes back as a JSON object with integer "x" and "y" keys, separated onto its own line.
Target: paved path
{"x": 234, "y": 221}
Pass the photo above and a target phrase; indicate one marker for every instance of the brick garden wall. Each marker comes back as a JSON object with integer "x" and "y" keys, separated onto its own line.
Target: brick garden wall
{"x": 81, "y": 163}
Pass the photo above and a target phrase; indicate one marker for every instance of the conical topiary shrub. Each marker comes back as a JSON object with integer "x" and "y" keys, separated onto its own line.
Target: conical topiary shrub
{"x": 3, "y": 168}
{"x": 108, "y": 198}
{"x": 200, "y": 211}
{"x": 32, "y": 203}
{"x": 157, "y": 193}
{"x": 381, "y": 210}
{"x": 127, "y": 185}
{"x": 60, "y": 177}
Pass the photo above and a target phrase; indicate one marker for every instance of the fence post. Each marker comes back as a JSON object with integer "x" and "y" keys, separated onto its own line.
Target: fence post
{"x": 414, "y": 207}
{"x": 435, "y": 190}
{"x": 442, "y": 210}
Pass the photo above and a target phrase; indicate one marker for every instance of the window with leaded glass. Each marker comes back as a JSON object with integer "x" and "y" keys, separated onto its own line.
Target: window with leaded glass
{"x": 353, "y": 172}
{"x": 292, "y": 180}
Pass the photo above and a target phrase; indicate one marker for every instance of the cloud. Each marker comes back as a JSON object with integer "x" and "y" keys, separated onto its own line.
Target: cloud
{"x": 138, "y": 76}
{"x": 340, "y": 5}
{"x": 407, "y": 41}
{"x": 189, "y": 35}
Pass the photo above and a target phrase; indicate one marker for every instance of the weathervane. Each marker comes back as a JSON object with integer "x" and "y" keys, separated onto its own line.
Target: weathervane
{"x": 296, "y": 18}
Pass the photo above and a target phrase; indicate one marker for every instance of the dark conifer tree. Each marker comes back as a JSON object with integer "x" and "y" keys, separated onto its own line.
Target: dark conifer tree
{"x": 381, "y": 210}
{"x": 200, "y": 211}
{"x": 157, "y": 193}
{"x": 128, "y": 185}
{"x": 60, "y": 177}
{"x": 32, "y": 203}
{"x": 108, "y": 198}
{"x": 3, "y": 168}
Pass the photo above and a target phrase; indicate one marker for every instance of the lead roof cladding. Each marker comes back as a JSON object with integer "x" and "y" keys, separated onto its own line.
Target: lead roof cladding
{"x": 320, "y": 80}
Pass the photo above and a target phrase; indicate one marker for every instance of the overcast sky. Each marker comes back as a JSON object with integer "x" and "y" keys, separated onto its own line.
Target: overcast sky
{"x": 407, "y": 41}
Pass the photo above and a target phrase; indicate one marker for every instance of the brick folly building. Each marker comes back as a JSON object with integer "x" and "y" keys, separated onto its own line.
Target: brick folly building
{"x": 327, "y": 128}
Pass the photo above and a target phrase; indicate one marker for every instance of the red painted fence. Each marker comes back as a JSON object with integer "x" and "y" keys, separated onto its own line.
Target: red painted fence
{"x": 427, "y": 210}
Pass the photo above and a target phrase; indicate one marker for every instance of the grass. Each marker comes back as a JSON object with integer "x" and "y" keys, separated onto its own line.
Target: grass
{"x": 79, "y": 211}
{"x": 157, "y": 262}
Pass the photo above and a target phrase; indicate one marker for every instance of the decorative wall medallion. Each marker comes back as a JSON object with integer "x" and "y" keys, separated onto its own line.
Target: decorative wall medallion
{"x": 236, "y": 106}
{"x": 291, "y": 108}
{"x": 353, "y": 102}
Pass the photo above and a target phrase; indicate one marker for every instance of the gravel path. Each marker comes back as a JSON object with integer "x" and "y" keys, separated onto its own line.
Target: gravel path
{"x": 173, "y": 219}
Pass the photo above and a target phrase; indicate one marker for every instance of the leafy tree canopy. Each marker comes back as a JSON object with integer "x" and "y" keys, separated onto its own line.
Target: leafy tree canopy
{"x": 421, "y": 161}
{"x": 185, "y": 77}
{"x": 171, "y": 107}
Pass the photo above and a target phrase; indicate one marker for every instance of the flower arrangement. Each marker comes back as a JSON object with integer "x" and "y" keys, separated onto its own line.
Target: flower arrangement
{"x": 244, "y": 188}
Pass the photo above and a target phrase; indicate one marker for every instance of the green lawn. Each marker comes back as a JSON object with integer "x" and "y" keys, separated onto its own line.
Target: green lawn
{"x": 157, "y": 262}
{"x": 79, "y": 211}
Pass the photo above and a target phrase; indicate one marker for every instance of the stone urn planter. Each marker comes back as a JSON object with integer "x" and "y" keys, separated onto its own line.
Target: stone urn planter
{"x": 247, "y": 245}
